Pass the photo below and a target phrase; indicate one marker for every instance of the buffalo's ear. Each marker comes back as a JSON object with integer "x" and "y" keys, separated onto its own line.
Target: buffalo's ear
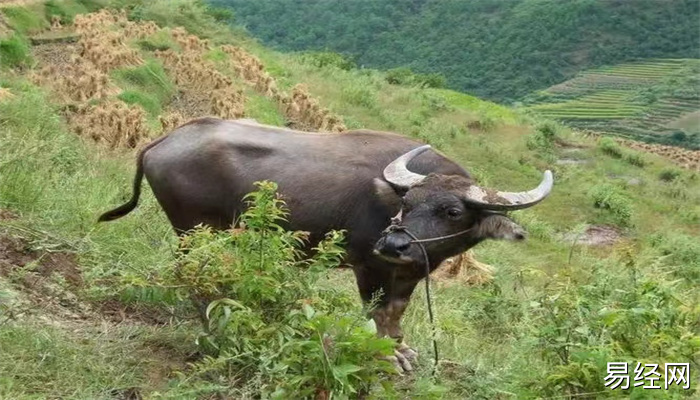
{"x": 498, "y": 226}
{"x": 386, "y": 194}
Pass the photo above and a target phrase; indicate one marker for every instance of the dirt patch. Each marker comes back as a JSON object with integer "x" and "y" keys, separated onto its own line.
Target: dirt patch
{"x": 118, "y": 312}
{"x": 596, "y": 235}
{"x": 16, "y": 255}
{"x": 58, "y": 55}
{"x": 7, "y": 215}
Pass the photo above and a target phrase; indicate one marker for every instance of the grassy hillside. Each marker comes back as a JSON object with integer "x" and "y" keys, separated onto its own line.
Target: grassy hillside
{"x": 656, "y": 101}
{"x": 500, "y": 50}
{"x": 609, "y": 273}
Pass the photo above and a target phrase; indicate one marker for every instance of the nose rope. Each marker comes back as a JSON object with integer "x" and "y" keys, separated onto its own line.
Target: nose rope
{"x": 396, "y": 226}
{"x": 431, "y": 317}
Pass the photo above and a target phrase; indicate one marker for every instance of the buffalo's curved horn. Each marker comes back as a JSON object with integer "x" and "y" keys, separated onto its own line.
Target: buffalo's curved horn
{"x": 494, "y": 200}
{"x": 398, "y": 174}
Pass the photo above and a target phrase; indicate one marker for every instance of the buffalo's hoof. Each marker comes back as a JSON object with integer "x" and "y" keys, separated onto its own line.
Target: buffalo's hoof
{"x": 403, "y": 355}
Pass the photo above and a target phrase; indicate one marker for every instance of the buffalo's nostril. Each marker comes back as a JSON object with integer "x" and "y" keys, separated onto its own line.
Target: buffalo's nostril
{"x": 394, "y": 245}
{"x": 403, "y": 246}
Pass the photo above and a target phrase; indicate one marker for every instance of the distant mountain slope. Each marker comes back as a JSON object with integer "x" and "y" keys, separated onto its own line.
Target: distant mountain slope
{"x": 654, "y": 101}
{"x": 498, "y": 49}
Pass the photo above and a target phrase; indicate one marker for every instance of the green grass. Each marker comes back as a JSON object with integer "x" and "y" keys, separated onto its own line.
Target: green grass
{"x": 66, "y": 10}
{"x": 501, "y": 340}
{"x": 15, "y": 51}
{"x": 25, "y": 20}
{"x": 147, "y": 85}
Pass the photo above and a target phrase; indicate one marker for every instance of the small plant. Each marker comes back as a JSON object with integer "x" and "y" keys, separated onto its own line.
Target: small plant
{"x": 14, "y": 52}
{"x": 360, "y": 96}
{"x": 610, "y": 147}
{"x": 608, "y": 197}
{"x": 636, "y": 159}
{"x": 323, "y": 59}
{"x": 669, "y": 174}
{"x": 544, "y": 137}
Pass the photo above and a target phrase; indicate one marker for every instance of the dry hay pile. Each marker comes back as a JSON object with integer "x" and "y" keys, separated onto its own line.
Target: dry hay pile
{"x": 464, "y": 269}
{"x": 105, "y": 48}
{"x": 139, "y": 30}
{"x": 689, "y": 159}
{"x": 191, "y": 72}
{"x": 170, "y": 121}
{"x": 112, "y": 122}
{"x": 300, "y": 108}
{"x": 227, "y": 103}
{"x": 77, "y": 81}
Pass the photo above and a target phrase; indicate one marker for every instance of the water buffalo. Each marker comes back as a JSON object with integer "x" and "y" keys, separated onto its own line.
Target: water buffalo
{"x": 357, "y": 181}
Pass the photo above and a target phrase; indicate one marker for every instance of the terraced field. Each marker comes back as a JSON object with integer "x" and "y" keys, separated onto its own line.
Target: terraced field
{"x": 653, "y": 100}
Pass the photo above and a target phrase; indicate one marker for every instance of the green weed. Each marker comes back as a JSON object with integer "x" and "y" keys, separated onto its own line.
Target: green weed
{"x": 15, "y": 52}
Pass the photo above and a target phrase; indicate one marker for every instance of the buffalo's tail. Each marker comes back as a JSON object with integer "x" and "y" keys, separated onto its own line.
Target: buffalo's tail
{"x": 134, "y": 201}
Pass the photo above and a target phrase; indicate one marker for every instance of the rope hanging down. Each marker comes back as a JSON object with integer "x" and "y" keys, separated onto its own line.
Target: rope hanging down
{"x": 396, "y": 226}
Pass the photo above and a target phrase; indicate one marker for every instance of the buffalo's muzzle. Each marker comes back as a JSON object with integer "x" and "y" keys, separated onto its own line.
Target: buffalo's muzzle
{"x": 394, "y": 247}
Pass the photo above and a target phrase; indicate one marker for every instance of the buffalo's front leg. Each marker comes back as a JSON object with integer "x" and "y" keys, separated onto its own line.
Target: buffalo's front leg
{"x": 388, "y": 321}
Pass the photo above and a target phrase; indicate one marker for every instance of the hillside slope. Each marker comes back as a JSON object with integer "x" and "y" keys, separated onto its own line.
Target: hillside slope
{"x": 609, "y": 272}
{"x": 500, "y": 50}
{"x": 656, "y": 101}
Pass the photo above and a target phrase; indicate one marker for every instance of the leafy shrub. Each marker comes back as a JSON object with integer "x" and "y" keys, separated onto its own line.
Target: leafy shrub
{"x": 610, "y": 147}
{"x": 322, "y": 59}
{"x": 434, "y": 101}
{"x": 360, "y": 96}
{"x": 620, "y": 312}
{"x": 544, "y": 137}
{"x": 14, "y": 51}
{"x": 608, "y": 197}
{"x": 669, "y": 174}
{"x": 635, "y": 158}
{"x": 268, "y": 320}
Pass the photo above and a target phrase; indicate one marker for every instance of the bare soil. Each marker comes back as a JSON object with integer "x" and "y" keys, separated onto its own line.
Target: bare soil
{"x": 596, "y": 235}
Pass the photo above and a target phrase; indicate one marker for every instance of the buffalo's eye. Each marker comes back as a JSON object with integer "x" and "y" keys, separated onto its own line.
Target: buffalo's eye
{"x": 454, "y": 212}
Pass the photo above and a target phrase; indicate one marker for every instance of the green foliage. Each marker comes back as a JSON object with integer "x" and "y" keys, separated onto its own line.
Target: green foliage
{"x": 500, "y": 50}
{"x": 221, "y": 14}
{"x": 681, "y": 254}
{"x": 147, "y": 85}
{"x": 635, "y": 158}
{"x": 23, "y": 20}
{"x": 544, "y": 137}
{"x": 66, "y": 10}
{"x": 148, "y": 102}
{"x": 15, "y": 52}
{"x": 360, "y": 96}
{"x": 611, "y": 199}
{"x": 669, "y": 174}
{"x": 322, "y": 59}
{"x": 404, "y": 76}
{"x": 620, "y": 312}
{"x": 610, "y": 147}
{"x": 266, "y": 319}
